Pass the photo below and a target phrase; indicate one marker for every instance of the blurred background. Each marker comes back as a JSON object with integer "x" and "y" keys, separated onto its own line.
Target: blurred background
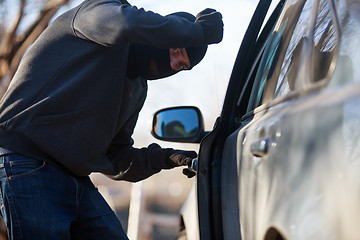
{"x": 156, "y": 201}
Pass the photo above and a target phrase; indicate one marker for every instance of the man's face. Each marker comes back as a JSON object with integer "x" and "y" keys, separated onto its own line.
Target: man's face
{"x": 179, "y": 59}
{"x": 153, "y": 63}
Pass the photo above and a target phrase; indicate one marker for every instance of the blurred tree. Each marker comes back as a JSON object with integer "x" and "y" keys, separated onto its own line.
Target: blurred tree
{"x": 21, "y": 22}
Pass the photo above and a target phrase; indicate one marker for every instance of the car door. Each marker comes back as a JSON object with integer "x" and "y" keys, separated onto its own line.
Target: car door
{"x": 212, "y": 202}
{"x": 292, "y": 153}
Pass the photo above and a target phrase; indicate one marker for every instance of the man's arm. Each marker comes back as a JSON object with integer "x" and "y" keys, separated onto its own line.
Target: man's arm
{"x": 109, "y": 22}
{"x": 133, "y": 164}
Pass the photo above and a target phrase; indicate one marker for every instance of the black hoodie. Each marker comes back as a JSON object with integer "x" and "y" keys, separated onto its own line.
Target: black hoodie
{"x": 71, "y": 103}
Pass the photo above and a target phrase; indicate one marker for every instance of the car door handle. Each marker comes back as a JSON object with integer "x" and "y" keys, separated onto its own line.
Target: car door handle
{"x": 260, "y": 147}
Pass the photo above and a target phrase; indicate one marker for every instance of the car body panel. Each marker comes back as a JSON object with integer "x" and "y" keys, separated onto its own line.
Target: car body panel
{"x": 303, "y": 184}
{"x": 230, "y": 188}
{"x": 306, "y": 183}
{"x": 283, "y": 159}
{"x": 189, "y": 216}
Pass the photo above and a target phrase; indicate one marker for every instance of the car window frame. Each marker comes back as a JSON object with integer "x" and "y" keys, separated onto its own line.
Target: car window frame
{"x": 244, "y": 96}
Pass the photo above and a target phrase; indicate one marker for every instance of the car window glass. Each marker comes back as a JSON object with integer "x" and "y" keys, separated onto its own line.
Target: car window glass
{"x": 293, "y": 56}
{"x": 300, "y": 52}
{"x": 276, "y": 57}
{"x": 347, "y": 67}
{"x": 324, "y": 43}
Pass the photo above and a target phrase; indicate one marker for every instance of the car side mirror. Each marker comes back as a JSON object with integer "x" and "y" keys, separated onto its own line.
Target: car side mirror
{"x": 178, "y": 124}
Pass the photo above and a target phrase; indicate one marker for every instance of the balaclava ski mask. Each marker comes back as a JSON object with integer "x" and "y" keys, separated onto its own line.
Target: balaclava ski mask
{"x": 142, "y": 58}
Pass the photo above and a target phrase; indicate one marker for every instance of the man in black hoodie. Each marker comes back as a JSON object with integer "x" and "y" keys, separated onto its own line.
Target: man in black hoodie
{"x": 71, "y": 109}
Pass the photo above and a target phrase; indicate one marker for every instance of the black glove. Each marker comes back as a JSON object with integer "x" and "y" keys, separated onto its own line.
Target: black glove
{"x": 212, "y": 24}
{"x": 181, "y": 158}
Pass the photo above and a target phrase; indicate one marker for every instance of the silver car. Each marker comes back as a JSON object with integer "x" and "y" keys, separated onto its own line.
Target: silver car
{"x": 283, "y": 159}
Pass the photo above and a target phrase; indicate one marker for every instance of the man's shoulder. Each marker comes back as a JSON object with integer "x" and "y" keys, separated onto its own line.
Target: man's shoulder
{"x": 97, "y": 2}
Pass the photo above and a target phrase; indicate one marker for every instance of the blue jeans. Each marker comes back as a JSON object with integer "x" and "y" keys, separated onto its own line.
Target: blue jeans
{"x": 41, "y": 201}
